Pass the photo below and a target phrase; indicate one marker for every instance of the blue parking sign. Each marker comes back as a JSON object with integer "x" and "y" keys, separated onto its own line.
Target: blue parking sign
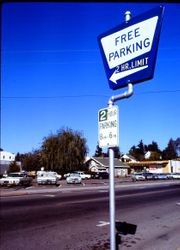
{"x": 129, "y": 50}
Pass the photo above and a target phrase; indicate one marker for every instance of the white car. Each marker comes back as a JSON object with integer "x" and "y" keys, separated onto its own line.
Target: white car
{"x": 138, "y": 177}
{"x": 16, "y": 178}
{"x": 74, "y": 178}
{"x": 58, "y": 176}
{"x": 174, "y": 176}
{"x": 47, "y": 177}
{"x": 83, "y": 175}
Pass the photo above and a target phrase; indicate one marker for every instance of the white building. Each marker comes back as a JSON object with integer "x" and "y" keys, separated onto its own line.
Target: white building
{"x": 6, "y": 156}
{"x": 128, "y": 158}
{"x": 174, "y": 166}
{"x": 5, "y": 159}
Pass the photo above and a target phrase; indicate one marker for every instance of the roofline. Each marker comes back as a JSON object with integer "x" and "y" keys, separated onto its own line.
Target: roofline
{"x": 148, "y": 162}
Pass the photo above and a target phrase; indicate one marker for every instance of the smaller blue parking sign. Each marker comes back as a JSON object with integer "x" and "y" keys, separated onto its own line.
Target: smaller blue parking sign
{"x": 129, "y": 50}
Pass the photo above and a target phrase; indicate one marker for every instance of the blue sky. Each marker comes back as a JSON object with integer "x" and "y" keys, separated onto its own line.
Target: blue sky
{"x": 52, "y": 75}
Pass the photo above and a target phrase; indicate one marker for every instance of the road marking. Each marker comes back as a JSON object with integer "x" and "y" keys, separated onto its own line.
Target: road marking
{"x": 49, "y": 195}
{"x": 103, "y": 191}
{"x": 102, "y": 223}
{"x": 28, "y": 187}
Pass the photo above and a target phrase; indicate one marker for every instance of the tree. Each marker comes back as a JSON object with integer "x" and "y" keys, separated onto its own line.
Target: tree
{"x": 155, "y": 156}
{"x": 169, "y": 152}
{"x": 30, "y": 161}
{"x": 141, "y": 147}
{"x": 138, "y": 151}
{"x": 14, "y": 167}
{"x": 117, "y": 153}
{"x": 18, "y": 157}
{"x": 98, "y": 152}
{"x": 153, "y": 147}
{"x": 64, "y": 151}
{"x": 155, "y": 151}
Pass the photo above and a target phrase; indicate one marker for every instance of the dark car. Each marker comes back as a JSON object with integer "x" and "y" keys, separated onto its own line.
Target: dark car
{"x": 161, "y": 176}
{"x": 149, "y": 176}
{"x": 100, "y": 175}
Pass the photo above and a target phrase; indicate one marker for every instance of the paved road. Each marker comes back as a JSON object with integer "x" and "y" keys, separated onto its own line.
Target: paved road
{"x": 78, "y": 218}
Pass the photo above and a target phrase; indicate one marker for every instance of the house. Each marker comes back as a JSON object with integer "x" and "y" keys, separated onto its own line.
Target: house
{"x": 128, "y": 158}
{"x": 147, "y": 155}
{"x": 5, "y": 159}
{"x": 100, "y": 164}
{"x": 152, "y": 155}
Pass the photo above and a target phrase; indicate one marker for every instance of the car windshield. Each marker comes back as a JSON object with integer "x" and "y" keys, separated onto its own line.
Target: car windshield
{"x": 74, "y": 174}
{"x": 15, "y": 175}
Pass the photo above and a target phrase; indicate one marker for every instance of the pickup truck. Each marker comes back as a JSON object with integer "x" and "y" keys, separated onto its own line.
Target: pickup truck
{"x": 15, "y": 179}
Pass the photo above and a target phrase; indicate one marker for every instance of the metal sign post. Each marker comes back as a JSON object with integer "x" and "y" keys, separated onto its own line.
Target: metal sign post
{"x": 129, "y": 54}
{"x": 126, "y": 94}
{"x": 112, "y": 199}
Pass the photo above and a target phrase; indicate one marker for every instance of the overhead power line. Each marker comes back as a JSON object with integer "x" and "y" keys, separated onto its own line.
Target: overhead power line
{"x": 83, "y": 95}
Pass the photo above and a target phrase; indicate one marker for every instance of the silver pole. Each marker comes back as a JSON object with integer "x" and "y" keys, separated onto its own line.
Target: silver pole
{"x": 112, "y": 199}
{"x": 111, "y": 101}
{"x": 126, "y": 94}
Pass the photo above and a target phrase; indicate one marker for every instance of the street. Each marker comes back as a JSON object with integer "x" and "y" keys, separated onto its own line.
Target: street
{"x": 78, "y": 218}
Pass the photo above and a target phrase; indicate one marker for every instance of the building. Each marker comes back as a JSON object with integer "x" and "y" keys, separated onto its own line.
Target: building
{"x": 176, "y": 145}
{"x": 173, "y": 166}
{"x": 100, "y": 164}
{"x": 128, "y": 158}
{"x": 165, "y": 166}
{"x": 5, "y": 159}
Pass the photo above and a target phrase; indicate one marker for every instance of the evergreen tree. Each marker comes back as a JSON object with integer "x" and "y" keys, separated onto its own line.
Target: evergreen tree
{"x": 141, "y": 147}
{"x": 98, "y": 152}
{"x": 18, "y": 157}
{"x": 169, "y": 152}
{"x": 138, "y": 151}
{"x": 30, "y": 161}
{"x": 117, "y": 153}
{"x": 153, "y": 147}
{"x": 13, "y": 167}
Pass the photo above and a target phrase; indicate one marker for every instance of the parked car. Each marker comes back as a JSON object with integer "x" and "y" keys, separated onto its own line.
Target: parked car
{"x": 100, "y": 175}
{"x": 138, "y": 177}
{"x": 160, "y": 176}
{"x": 15, "y": 179}
{"x": 148, "y": 175}
{"x": 83, "y": 175}
{"x": 48, "y": 177}
{"x": 74, "y": 178}
{"x": 66, "y": 175}
{"x": 174, "y": 176}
